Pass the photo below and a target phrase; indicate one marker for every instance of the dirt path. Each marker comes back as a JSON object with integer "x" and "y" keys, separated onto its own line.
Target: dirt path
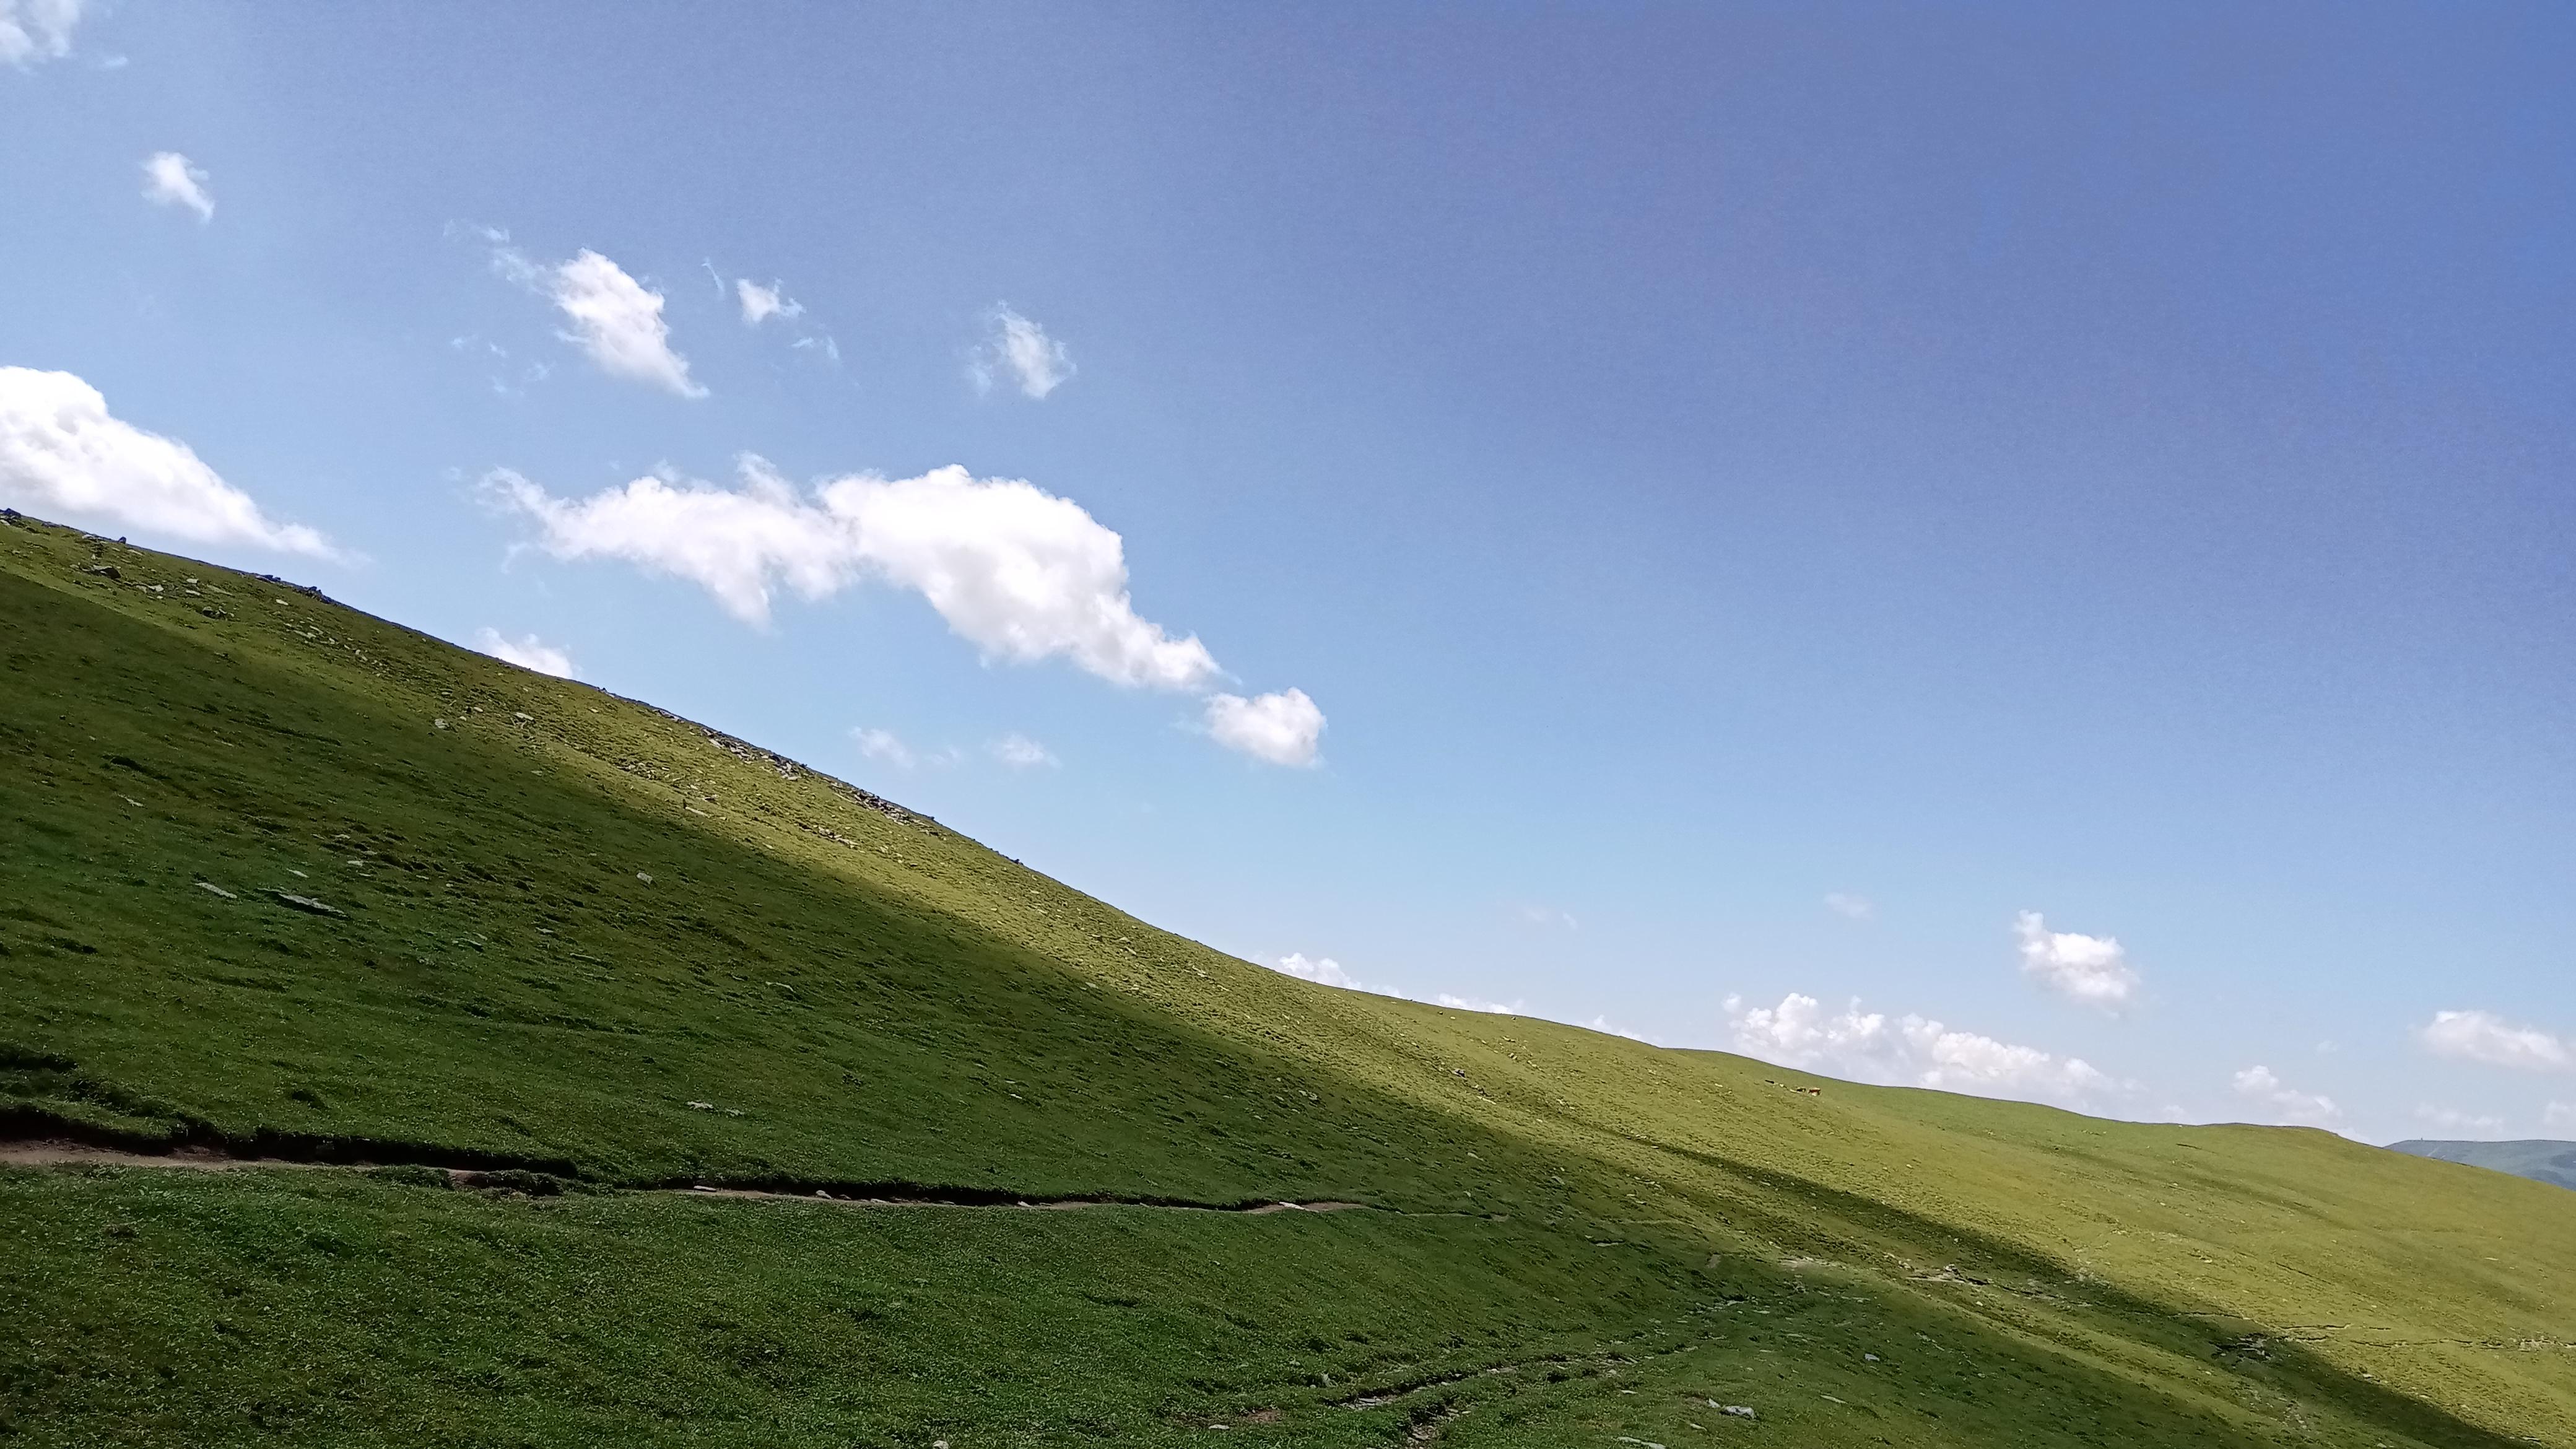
{"x": 62, "y": 1153}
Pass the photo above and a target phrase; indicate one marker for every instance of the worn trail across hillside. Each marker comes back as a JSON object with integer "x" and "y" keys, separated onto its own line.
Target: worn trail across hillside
{"x": 62, "y": 1152}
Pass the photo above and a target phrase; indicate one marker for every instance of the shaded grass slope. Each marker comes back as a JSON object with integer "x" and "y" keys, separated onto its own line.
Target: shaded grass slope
{"x": 282, "y": 879}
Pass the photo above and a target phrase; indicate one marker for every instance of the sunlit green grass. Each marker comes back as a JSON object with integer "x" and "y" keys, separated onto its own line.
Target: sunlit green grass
{"x": 567, "y": 932}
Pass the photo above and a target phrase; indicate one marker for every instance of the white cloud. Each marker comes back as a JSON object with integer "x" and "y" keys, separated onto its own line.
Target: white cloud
{"x": 61, "y": 452}
{"x": 1022, "y": 753}
{"x": 885, "y": 745}
{"x": 2452, "y": 1120}
{"x": 2559, "y": 1117}
{"x": 2090, "y": 969}
{"x": 170, "y": 179}
{"x": 1908, "y": 1051}
{"x": 36, "y": 30}
{"x": 1281, "y": 728}
{"x": 528, "y": 652}
{"x": 1020, "y": 351}
{"x": 1323, "y": 971}
{"x": 1020, "y": 573}
{"x": 615, "y": 319}
{"x": 760, "y": 303}
{"x": 1538, "y": 915}
{"x": 2483, "y": 1036}
{"x": 2286, "y": 1104}
{"x": 1851, "y": 907}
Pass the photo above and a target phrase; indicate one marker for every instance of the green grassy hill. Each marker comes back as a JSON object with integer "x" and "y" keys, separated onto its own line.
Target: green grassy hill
{"x": 2539, "y": 1160}
{"x": 285, "y": 886}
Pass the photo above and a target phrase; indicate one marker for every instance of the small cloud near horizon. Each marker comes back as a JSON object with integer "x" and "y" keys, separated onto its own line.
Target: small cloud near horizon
{"x": 527, "y": 652}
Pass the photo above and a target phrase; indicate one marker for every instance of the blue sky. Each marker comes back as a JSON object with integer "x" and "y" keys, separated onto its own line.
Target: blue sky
{"x": 1997, "y": 548}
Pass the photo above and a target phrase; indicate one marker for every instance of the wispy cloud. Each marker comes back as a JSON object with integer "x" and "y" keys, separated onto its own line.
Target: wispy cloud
{"x": 886, "y": 745}
{"x": 2458, "y": 1123}
{"x": 2284, "y": 1104}
{"x": 1022, "y": 753}
{"x": 527, "y": 651}
{"x": 1851, "y": 907}
{"x": 615, "y": 320}
{"x": 170, "y": 179}
{"x": 63, "y": 454}
{"x": 1018, "y": 351}
{"x": 760, "y": 303}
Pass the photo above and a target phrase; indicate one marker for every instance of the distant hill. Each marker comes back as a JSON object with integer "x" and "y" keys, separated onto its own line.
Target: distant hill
{"x": 2539, "y": 1159}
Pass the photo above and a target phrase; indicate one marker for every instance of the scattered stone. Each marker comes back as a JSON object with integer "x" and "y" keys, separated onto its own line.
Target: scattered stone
{"x": 1737, "y": 1411}
{"x": 105, "y": 571}
{"x": 207, "y": 885}
{"x": 442, "y": 724}
{"x": 704, "y": 1106}
{"x": 1871, "y": 1357}
{"x": 308, "y": 904}
{"x": 521, "y": 714}
{"x": 639, "y": 875}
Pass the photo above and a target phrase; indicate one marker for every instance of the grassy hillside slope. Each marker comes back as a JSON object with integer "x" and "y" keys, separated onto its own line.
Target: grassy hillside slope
{"x": 2540, "y": 1160}
{"x": 282, "y": 880}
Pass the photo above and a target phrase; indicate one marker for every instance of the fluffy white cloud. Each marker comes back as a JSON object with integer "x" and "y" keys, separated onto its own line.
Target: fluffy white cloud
{"x": 2483, "y": 1036}
{"x": 616, "y": 320}
{"x": 2456, "y": 1122}
{"x": 1019, "y": 351}
{"x": 1020, "y": 573}
{"x": 2283, "y": 1103}
{"x": 61, "y": 452}
{"x": 1323, "y": 971}
{"x": 2090, "y": 969}
{"x": 170, "y": 179}
{"x": 1022, "y": 753}
{"x": 760, "y": 303}
{"x": 1282, "y": 728}
{"x": 528, "y": 652}
{"x": 2559, "y": 1117}
{"x": 1907, "y": 1051}
{"x": 1851, "y": 907}
{"x": 35, "y": 30}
